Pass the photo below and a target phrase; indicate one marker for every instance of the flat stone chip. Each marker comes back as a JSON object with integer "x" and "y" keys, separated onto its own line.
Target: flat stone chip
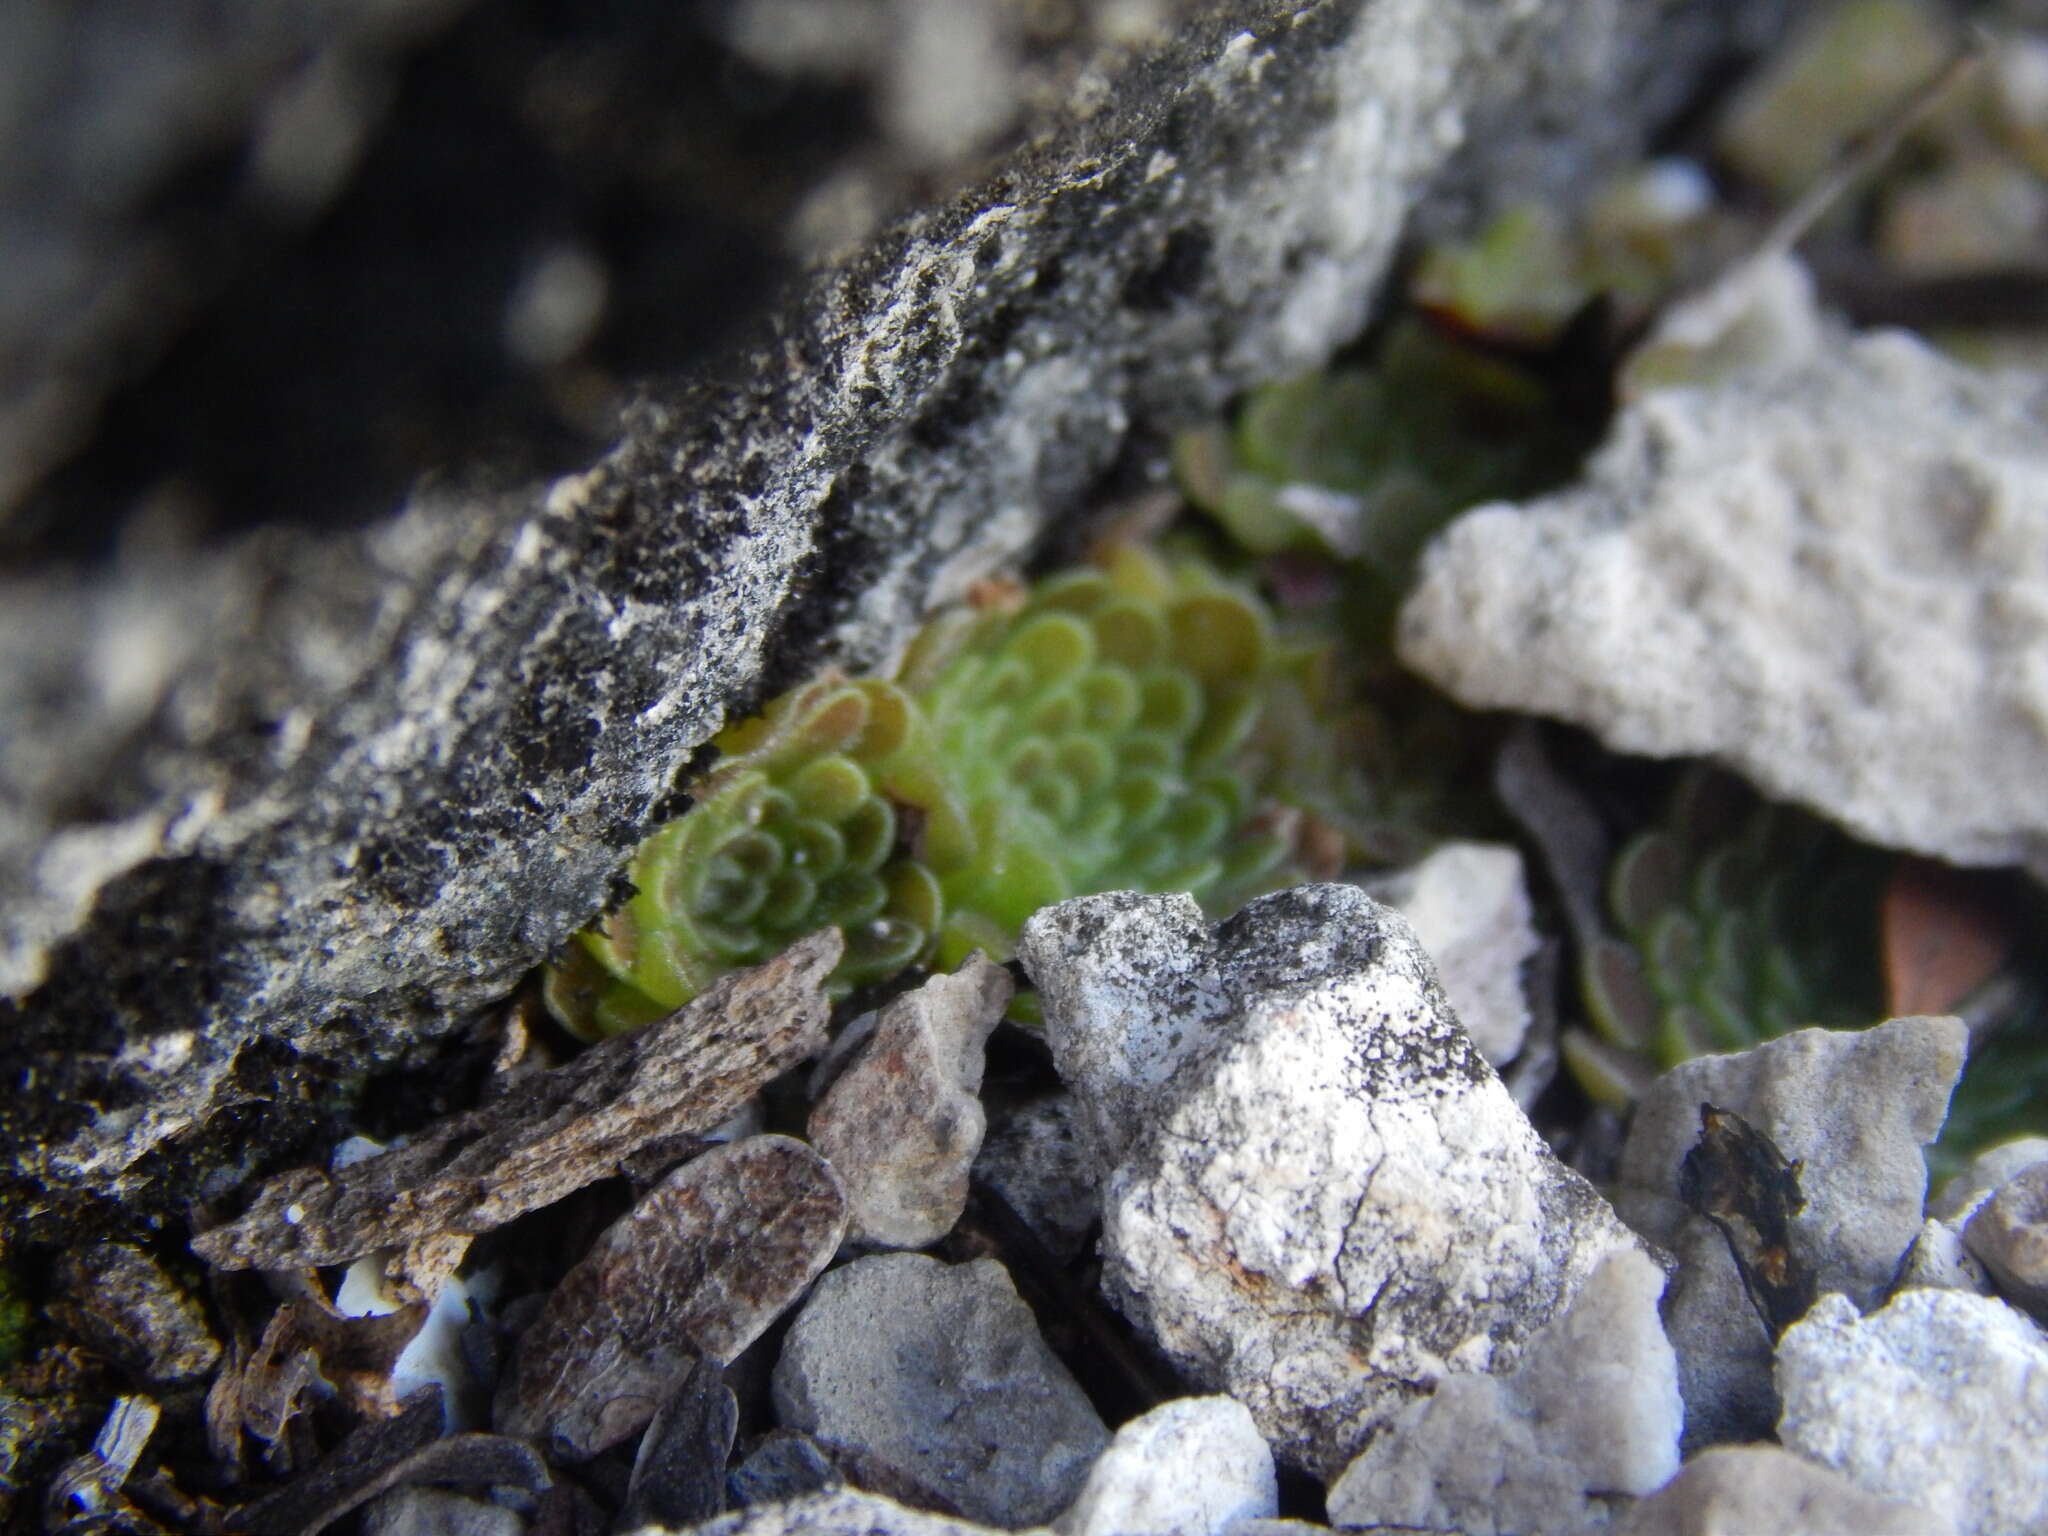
{"x": 552, "y": 1133}
{"x": 713, "y": 1255}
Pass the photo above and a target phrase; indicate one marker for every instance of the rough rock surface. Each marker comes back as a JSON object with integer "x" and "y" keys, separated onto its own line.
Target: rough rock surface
{"x": 1033, "y": 1158}
{"x": 2008, "y": 1234}
{"x": 715, "y": 1253}
{"x": 1743, "y": 1490}
{"x": 1591, "y": 1413}
{"x": 275, "y": 810}
{"x": 1961, "y": 1195}
{"x": 1938, "y": 1399}
{"x": 1791, "y": 569}
{"x": 1190, "y": 1467}
{"x": 1939, "y": 1261}
{"x": 938, "y": 1372}
{"x": 835, "y": 1512}
{"x": 1854, "y": 1109}
{"x": 1330, "y": 1203}
{"x": 1469, "y": 905}
{"x": 902, "y": 1122}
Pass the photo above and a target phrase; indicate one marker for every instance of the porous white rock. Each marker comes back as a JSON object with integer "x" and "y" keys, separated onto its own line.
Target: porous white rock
{"x": 1469, "y": 905}
{"x": 832, "y": 1512}
{"x": 938, "y": 1371}
{"x": 1592, "y": 1412}
{"x": 1747, "y": 1490}
{"x": 1854, "y": 1108}
{"x": 1940, "y": 1399}
{"x": 1795, "y": 569}
{"x": 1328, "y": 1201}
{"x": 1191, "y": 1467}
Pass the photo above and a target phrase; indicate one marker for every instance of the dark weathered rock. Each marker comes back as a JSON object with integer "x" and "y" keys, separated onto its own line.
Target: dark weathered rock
{"x": 693, "y": 1272}
{"x": 274, "y": 812}
{"x": 117, "y": 1300}
{"x": 552, "y": 1132}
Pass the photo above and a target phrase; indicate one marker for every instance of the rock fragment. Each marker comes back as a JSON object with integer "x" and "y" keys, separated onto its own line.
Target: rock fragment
{"x": 939, "y": 1372}
{"x": 902, "y": 1122}
{"x": 1193, "y": 1466}
{"x": 2009, "y": 1235}
{"x": 832, "y": 1512}
{"x": 551, "y": 1132}
{"x": 1959, "y": 1198}
{"x": 1792, "y": 570}
{"x": 696, "y": 1270}
{"x": 1033, "y": 1158}
{"x": 1591, "y": 1412}
{"x": 1937, "y": 1399}
{"x": 1854, "y": 1109}
{"x": 1469, "y": 905}
{"x": 1741, "y": 1490}
{"x": 1328, "y": 1202}
{"x": 117, "y": 1300}
{"x": 1937, "y": 1260}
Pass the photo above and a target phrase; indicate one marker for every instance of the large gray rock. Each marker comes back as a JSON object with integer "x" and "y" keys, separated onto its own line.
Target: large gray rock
{"x": 1791, "y": 568}
{"x": 277, "y": 811}
{"x": 1325, "y": 1202}
{"x": 938, "y": 1373}
{"x": 1854, "y": 1108}
{"x": 1940, "y": 1399}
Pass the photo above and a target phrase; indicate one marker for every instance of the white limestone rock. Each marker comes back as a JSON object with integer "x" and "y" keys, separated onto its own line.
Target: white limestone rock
{"x": 1746, "y": 1490}
{"x": 1938, "y": 1261}
{"x": 1939, "y": 1399}
{"x": 1793, "y": 569}
{"x": 833, "y": 1512}
{"x": 1193, "y": 1466}
{"x": 1469, "y": 905}
{"x": 939, "y": 1372}
{"x": 1591, "y": 1413}
{"x": 1328, "y": 1202}
{"x": 1854, "y": 1108}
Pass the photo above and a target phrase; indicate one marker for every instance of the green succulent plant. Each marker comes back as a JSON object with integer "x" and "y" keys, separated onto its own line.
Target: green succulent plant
{"x": 1127, "y": 726}
{"x": 1736, "y": 921}
{"x": 1366, "y": 463}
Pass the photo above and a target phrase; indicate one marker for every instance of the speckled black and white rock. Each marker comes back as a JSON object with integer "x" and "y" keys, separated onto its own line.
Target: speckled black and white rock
{"x": 1792, "y": 568}
{"x": 1589, "y": 1418}
{"x": 280, "y": 809}
{"x": 1747, "y": 1490}
{"x": 1034, "y": 1159}
{"x": 1193, "y": 1466}
{"x": 939, "y": 1372}
{"x": 1854, "y": 1108}
{"x": 1938, "y": 1399}
{"x": 1469, "y": 905}
{"x": 1328, "y": 1202}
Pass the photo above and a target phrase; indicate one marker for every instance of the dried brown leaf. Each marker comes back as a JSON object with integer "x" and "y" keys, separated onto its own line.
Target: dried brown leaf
{"x": 698, "y": 1268}
{"x": 550, "y": 1133}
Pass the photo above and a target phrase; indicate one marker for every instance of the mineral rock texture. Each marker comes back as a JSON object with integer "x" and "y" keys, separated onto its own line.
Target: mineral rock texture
{"x": 2009, "y": 1235}
{"x": 939, "y": 1373}
{"x": 695, "y": 1271}
{"x": 834, "y": 1512}
{"x": 1327, "y": 1202}
{"x": 1739, "y": 1490}
{"x": 1190, "y": 1467}
{"x": 1469, "y": 905}
{"x": 902, "y": 1123}
{"x": 1792, "y": 569}
{"x": 1854, "y": 1109}
{"x": 278, "y": 807}
{"x": 1935, "y": 1400}
{"x": 1591, "y": 1413}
